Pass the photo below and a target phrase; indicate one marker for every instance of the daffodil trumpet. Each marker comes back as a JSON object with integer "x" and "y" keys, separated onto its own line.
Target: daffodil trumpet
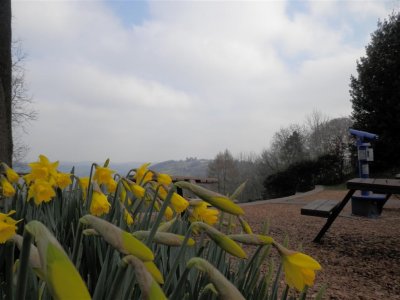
{"x": 299, "y": 268}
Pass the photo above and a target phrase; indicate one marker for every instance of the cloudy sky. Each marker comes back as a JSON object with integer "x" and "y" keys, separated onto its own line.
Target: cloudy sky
{"x": 160, "y": 80}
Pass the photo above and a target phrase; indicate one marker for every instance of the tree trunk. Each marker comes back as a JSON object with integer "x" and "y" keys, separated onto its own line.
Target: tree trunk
{"x": 6, "y": 145}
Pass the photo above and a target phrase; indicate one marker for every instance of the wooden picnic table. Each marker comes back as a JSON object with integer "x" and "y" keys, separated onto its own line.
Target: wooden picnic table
{"x": 382, "y": 186}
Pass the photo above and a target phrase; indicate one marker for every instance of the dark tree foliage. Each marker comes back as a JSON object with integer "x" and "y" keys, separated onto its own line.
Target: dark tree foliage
{"x": 298, "y": 177}
{"x": 5, "y": 82}
{"x": 375, "y": 92}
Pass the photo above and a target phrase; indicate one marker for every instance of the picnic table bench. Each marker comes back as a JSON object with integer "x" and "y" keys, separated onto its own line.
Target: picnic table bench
{"x": 330, "y": 209}
{"x": 196, "y": 180}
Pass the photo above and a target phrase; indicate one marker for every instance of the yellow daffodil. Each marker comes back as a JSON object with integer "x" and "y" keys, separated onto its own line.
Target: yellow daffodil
{"x": 177, "y": 201}
{"x": 137, "y": 190}
{"x": 28, "y": 178}
{"x": 143, "y": 175}
{"x": 7, "y": 226}
{"x": 84, "y": 184}
{"x": 128, "y": 217}
{"x": 168, "y": 214}
{"x": 63, "y": 180}
{"x": 99, "y": 204}
{"x": 111, "y": 186}
{"x": 6, "y": 187}
{"x": 164, "y": 179}
{"x": 40, "y": 191}
{"x": 122, "y": 194}
{"x": 299, "y": 268}
{"x": 11, "y": 175}
{"x": 201, "y": 212}
{"x": 43, "y": 169}
{"x": 103, "y": 175}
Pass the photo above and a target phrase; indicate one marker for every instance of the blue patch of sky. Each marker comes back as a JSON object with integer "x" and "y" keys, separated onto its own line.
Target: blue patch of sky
{"x": 130, "y": 12}
{"x": 296, "y": 7}
{"x": 295, "y": 60}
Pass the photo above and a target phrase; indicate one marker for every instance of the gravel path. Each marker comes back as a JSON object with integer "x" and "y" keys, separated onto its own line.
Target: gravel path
{"x": 360, "y": 257}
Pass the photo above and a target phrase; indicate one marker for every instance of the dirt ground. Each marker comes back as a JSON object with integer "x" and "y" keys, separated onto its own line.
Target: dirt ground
{"x": 360, "y": 256}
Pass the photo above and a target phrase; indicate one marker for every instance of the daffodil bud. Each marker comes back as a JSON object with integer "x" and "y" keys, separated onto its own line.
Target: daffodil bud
{"x": 166, "y": 226}
{"x": 246, "y": 227}
{"x": 221, "y": 240}
{"x": 226, "y": 290}
{"x": 164, "y": 238}
{"x": 121, "y": 240}
{"x": 213, "y": 198}
{"x": 149, "y": 287}
{"x": 154, "y": 271}
{"x": 90, "y": 231}
{"x": 62, "y": 278}
{"x": 210, "y": 287}
{"x": 252, "y": 239}
{"x": 34, "y": 258}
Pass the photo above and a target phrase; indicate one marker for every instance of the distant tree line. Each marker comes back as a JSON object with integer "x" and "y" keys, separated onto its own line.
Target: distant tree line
{"x": 299, "y": 157}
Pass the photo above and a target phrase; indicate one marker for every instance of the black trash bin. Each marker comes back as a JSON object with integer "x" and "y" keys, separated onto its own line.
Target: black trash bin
{"x": 369, "y": 206}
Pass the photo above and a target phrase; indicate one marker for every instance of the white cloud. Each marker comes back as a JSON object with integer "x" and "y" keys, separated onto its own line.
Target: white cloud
{"x": 191, "y": 80}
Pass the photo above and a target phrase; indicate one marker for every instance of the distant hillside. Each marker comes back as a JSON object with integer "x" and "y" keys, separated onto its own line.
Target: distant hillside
{"x": 189, "y": 167}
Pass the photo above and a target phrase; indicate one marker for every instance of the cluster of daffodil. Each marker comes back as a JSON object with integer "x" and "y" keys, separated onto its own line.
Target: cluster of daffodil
{"x": 151, "y": 208}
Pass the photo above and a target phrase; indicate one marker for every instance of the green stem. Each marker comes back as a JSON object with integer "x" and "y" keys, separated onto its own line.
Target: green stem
{"x": 181, "y": 254}
{"x": 23, "y": 268}
{"x": 77, "y": 243}
{"x": 285, "y": 293}
{"x": 275, "y": 286}
{"x": 180, "y": 286}
{"x": 118, "y": 279}
{"x": 160, "y": 216}
{"x": 88, "y": 197}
